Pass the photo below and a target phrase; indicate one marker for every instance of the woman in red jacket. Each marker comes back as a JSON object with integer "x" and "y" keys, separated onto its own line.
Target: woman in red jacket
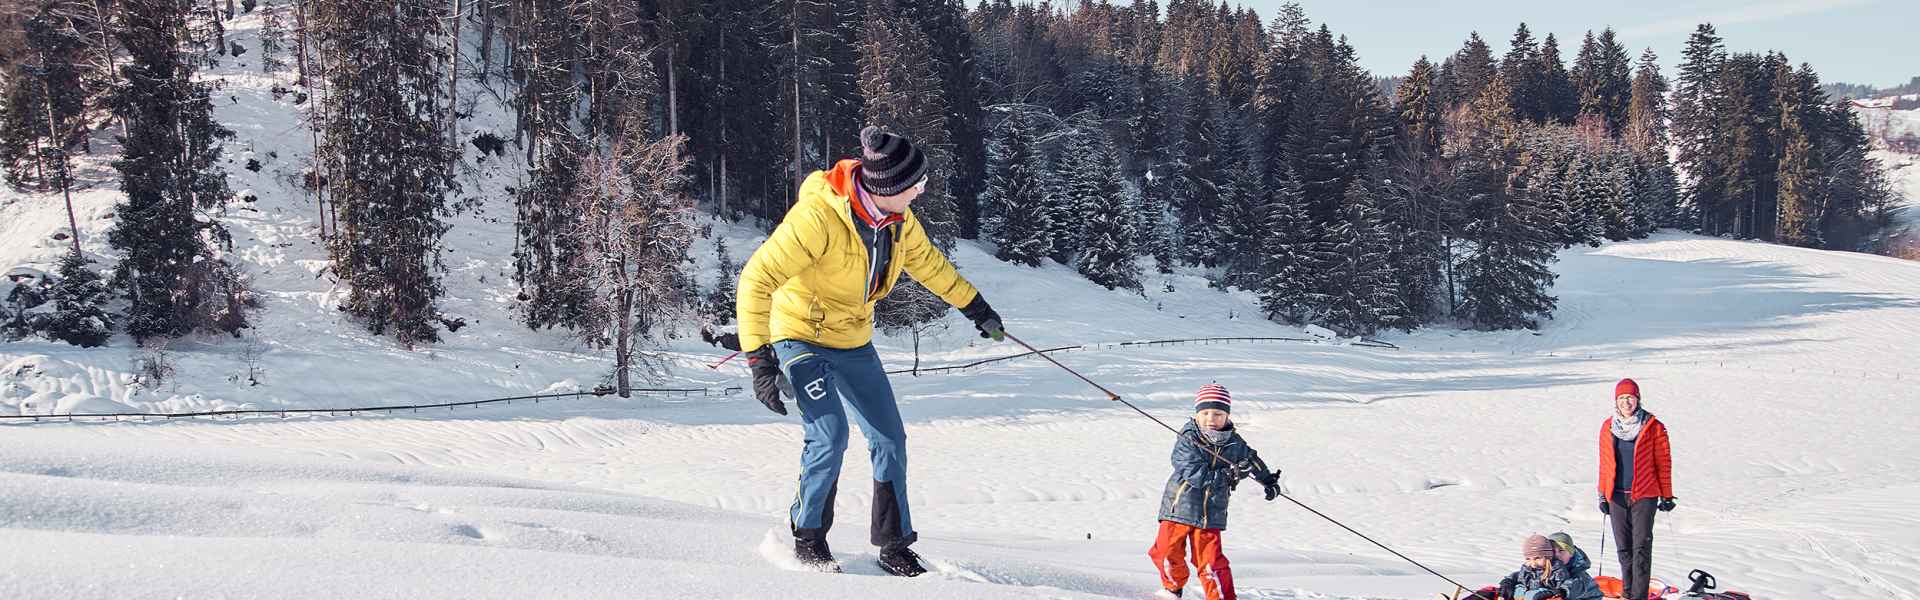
{"x": 1636, "y": 478}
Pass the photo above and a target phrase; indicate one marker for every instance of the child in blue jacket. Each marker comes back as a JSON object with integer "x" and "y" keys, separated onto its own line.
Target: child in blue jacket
{"x": 1208, "y": 462}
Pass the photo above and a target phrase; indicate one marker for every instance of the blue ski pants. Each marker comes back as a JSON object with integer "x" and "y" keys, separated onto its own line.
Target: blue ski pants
{"x": 827, "y": 381}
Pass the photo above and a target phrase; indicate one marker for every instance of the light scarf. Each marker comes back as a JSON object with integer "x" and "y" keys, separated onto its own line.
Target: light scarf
{"x": 1628, "y": 428}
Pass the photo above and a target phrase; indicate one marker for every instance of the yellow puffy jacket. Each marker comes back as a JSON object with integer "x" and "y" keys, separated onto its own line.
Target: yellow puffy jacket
{"x": 808, "y": 281}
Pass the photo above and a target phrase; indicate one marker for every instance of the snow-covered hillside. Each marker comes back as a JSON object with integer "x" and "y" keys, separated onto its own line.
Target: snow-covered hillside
{"x": 1785, "y": 374}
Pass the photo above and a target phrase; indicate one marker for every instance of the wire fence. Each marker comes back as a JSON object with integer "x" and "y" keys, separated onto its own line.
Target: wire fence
{"x": 359, "y": 410}
{"x": 606, "y": 391}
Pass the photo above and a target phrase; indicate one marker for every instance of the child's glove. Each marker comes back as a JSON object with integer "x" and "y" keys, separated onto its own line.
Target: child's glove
{"x": 1506, "y": 588}
{"x": 1272, "y": 488}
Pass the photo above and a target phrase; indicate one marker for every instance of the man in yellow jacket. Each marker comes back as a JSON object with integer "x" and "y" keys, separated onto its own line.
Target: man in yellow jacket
{"x": 805, "y": 305}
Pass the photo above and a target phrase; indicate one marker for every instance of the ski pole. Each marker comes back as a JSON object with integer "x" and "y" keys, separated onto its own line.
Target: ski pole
{"x": 1216, "y": 454}
{"x": 716, "y": 366}
{"x": 1603, "y": 544}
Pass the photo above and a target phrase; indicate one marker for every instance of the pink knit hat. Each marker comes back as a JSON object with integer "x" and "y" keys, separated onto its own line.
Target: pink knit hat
{"x": 1537, "y": 546}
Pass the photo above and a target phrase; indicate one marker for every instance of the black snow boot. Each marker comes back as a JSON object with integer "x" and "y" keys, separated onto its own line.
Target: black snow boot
{"x": 902, "y": 562}
{"x": 815, "y": 555}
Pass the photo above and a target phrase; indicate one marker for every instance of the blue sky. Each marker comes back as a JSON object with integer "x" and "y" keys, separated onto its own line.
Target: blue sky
{"x": 1874, "y": 42}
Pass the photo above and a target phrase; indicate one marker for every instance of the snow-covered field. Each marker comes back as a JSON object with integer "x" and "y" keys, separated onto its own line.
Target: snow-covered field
{"x": 1786, "y": 376}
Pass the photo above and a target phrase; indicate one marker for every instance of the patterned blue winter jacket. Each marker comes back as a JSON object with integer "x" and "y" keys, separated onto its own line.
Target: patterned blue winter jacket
{"x": 1571, "y": 576}
{"x": 1197, "y": 493}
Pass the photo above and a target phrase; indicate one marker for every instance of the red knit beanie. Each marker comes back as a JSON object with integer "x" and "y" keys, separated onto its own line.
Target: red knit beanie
{"x": 1215, "y": 396}
{"x": 1626, "y": 386}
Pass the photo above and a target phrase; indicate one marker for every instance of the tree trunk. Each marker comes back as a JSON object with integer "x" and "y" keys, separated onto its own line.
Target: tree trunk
{"x": 453, "y": 80}
{"x": 486, "y": 40}
{"x": 60, "y": 149}
{"x": 798, "y": 154}
{"x": 916, "y": 352}
{"x": 622, "y": 350}
{"x": 219, "y": 30}
{"x": 300, "y": 41}
{"x": 673, "y": 93}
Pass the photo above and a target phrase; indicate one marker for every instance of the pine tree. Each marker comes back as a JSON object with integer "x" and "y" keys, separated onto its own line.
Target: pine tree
{"x": 1473, "y": 70}
{"x": 1801, "y": 195}
{"x": 1067, "y": 190}
{"x": 44, "y": 96}
{"x": 1288, "y": 253}
{"x": 1156, "y": 222}
{"x": 719, "y": 302}
{"x": 1505, "y": 276}
{"x": 1595, "y": 206}
{"x": 1357, "y": 288}
{"x": 79, "y": 300}
{"x": 1109, "y": 243}
{"x": 1242, "y": 207}
{"x": 1556, "y": 88}
{"x": 1647, "y": 107}
{"x": 952, "y": 48}
{"x": 1198, "y": 192}
{"x": 169, "y": 171}
{"x": 1695, "y": 97}
{"x": 273, "y": 40}
{"x": 384, "y": 136}
{"x": 903, "y": 96}
{"x": 1015, "y": 218}
{"x": 1526, "y": 77}
{"x": 1420, "y": 112}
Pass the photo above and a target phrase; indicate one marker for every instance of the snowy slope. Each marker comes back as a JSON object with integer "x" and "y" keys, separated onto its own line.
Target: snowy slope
{"x": 1785, "y": 375}
{"x": 1782, "y": 372}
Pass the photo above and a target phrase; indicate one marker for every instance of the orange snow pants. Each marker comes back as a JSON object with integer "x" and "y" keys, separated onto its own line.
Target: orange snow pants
{"x": 1169, "y": 558}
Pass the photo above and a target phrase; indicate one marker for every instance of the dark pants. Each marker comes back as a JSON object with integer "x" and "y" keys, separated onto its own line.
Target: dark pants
{"x": 1633, "y": 529}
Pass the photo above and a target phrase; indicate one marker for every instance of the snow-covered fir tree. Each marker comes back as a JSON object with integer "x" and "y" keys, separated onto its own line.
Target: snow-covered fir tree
{"x": 170, "y": 271}
{"x": 1016, "y": 219}
{"x": 1356, "y": 291}
{"x": 1108, "y": 245}
{"x": 718, "y": 305}
{"x": 1071, "y": 189}
{"x": 390, "y": 166}
{"x": 1289, "y": 253}
{"x": 79, "y": 298}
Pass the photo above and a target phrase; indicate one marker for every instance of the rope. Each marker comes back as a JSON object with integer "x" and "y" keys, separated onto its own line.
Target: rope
{"x": 1216, "y": 454}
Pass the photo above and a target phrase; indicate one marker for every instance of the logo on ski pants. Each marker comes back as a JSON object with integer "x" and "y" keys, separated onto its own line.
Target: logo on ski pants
{"x": 836, "y": 380}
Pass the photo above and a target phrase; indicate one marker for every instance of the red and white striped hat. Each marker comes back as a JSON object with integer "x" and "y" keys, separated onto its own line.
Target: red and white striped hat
{"x": 1214, "y": 396}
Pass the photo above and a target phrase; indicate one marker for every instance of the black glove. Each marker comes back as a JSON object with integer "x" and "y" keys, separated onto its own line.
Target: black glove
{"x": 1606, "y": 508}
{"x": 768, "y": 381}
{"x": 1272, "y": 487}
{"x": 1666, "y": 504}
{"x": 1561, "y": 593}
{"x": 1506, "y": 588}
{"x": 983, "y": 317}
